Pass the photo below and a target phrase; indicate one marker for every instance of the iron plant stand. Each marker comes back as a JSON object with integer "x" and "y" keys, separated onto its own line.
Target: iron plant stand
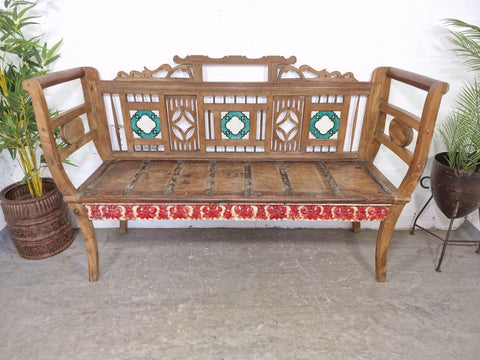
{"x": 447, "y": 239}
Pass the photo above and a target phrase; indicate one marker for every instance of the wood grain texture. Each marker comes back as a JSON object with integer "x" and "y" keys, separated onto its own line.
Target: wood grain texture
{"x": 299, "y": 137}
{"x": 333, "y": 181}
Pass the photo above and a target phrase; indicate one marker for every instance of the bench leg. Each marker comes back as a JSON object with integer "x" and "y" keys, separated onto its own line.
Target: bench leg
{"x": 356, "y": 226}
{"x": 123, "y": 227}
{"x": 88, "y": 231}
{"x": 383, "y": 240}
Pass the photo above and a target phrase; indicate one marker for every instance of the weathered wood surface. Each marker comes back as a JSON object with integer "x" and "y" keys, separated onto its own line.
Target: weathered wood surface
{"x": 286, "y": 153}
{"x": 334, "y": 182}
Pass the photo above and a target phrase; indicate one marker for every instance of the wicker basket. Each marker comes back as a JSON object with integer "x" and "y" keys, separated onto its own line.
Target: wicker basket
{"x": 39, "y": 227}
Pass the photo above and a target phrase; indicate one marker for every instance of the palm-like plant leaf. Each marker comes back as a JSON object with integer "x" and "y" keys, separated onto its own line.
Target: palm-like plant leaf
{"x": 461, "y": 130}
{"x": 466, "y": 42}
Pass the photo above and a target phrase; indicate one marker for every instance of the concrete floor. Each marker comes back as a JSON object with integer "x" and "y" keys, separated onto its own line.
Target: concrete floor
{"x": 241, "y": 294}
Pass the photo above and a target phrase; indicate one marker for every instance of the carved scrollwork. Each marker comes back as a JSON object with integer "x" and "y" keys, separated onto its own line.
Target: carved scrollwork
{"x": 307, "y": 72}
{"x": 164, "y": 71}
{"x": 234, "y": 60}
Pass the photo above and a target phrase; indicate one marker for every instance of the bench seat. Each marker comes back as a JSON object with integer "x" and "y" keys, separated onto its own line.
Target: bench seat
{"x": 163, "y": 181}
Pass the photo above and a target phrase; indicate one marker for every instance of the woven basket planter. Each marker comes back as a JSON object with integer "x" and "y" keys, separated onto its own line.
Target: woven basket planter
{"x": 39, "y": 227}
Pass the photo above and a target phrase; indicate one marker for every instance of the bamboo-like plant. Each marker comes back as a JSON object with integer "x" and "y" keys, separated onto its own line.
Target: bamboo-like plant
{"x": 21, "y": 57}
{"x": 461, "y": 130}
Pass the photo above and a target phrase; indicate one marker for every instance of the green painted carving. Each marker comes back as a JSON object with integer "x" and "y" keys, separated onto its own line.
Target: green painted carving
{"x": 316, "y": 118}
{"x": 152, "y": 116}
{"x": 243, "y": 118}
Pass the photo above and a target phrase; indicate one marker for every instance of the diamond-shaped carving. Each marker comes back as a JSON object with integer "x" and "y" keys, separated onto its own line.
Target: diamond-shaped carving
{"x": 287, "y": 123}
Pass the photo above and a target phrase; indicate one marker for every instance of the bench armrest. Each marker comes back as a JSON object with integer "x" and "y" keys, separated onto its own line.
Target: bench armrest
{"x": 49, "y": 124}
{"x": 399, "y": 135}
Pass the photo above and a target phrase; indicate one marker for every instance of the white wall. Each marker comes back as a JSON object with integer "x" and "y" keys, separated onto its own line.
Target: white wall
{"x": 343, "y": 35}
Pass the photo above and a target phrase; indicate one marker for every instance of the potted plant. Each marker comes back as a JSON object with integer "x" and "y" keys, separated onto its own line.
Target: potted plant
{"x": 455, "y": 177}
{"x": 36, "y": 216}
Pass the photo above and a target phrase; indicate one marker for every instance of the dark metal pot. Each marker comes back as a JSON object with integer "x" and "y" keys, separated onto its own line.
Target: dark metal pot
{"x": 451, "y": 186}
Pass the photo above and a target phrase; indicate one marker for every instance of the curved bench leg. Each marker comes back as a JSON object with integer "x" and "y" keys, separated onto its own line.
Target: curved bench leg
{"x": 88, "y": 231}
{"x": 383, "y": 240}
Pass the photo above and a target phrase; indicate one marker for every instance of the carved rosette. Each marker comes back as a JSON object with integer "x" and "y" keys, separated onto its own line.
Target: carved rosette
{"x": 400, "y": 133}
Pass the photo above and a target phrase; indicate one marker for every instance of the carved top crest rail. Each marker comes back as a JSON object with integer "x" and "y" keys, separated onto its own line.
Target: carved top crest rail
{"x": 279, "y": 69}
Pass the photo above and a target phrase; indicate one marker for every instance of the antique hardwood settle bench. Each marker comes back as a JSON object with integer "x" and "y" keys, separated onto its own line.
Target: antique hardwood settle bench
{"x": 298, "y": 146}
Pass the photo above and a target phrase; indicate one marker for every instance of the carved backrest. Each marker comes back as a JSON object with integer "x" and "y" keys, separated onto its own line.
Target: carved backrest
{"x": 172, "y": 111}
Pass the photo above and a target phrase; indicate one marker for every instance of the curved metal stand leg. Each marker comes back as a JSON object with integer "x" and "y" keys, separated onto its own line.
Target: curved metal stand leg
{"x": 445, "y": 242}
{"x": 420, "y": 213}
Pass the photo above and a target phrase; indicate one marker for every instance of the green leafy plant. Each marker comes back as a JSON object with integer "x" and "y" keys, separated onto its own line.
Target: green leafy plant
{"x": 21, "y": 57}
{"x": 461, "y": 130}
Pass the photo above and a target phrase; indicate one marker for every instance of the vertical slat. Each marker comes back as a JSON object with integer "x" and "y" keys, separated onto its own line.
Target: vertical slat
{"x": 373, "y": 118}
{"x": 97, "y": 118}
{"x": 196, "y": 135}
{"x": 127, "y": 125}
{"x": 269, "y": 123}
{"x": 354, "y": 125}
{"x": 217, "y": 125}
{"x": 253, "y": 125}
{"x": 343, "y": 123}
{"x": 202, "y": 122}
{"x": 305, "y": 128}
{"x": 115, "y": 121}
{"x": 164, "y": 126}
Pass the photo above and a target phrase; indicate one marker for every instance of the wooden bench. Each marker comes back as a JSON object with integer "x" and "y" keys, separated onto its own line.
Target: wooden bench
{"x": 300, "y": 145}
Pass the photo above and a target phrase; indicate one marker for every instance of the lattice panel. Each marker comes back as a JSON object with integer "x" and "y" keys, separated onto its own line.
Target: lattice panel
{"x": 235, "y": 123}
{"x": 183, "y": 124}
{"x": 287, "y": 115}
{"x": 137, "y": 122}
{"x": 325, "y": 123}
{"x": 333, "y": 123}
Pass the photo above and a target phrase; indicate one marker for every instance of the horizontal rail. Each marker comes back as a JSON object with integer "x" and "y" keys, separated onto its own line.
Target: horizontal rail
{"x": 419, "y": 81}
{"x": 57, "y": 77}
{"x": 229, "y": 88}
{"x": 70, "y": 149}
{"x": 68, "y": 115}
{"x": 404, "y": 116}
{"x": 401, "y": 152}
{"x": 227, "y": 155}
